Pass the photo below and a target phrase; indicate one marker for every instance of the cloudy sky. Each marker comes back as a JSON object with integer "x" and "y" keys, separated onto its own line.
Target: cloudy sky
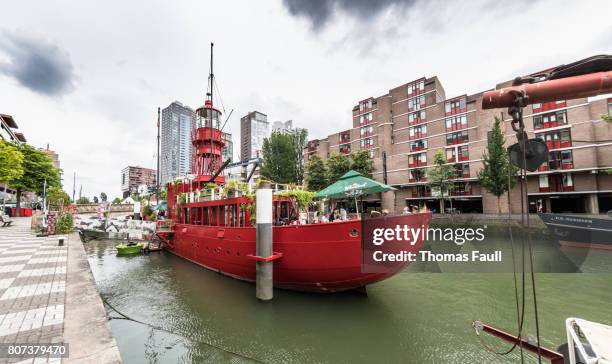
{"x": 87, "y": 77}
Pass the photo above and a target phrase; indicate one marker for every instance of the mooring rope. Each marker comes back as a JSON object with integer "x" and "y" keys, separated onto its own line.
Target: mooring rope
{"x": 159, "y": 328}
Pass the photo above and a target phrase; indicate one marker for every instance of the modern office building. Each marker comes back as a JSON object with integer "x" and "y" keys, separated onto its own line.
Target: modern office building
{"x": 403, "y": 129}
{"x": 133, "y": 177}
{"x": 228, "y": 147}
{"x": 285, "y": 127}
{"x": 175, "y": 149}
{"x": 254, "y": 128}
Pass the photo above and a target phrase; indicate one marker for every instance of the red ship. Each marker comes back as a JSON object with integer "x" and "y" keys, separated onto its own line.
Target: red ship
{"x": 218, "y": 233}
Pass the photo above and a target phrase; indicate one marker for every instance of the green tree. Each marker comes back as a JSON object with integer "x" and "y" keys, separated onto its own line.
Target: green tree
{"x": 83, "y": 200}
{"x": 497, "y": 170}
{"x": 440, "y": 176}
{"x": 56, "y": 196}
{"x": 299, "y": 138}
{"x": 337, "y": 166}
{"x": 278, "y": 159}
{"x": 361, "y": 162}
{"x": 103, "y": 197}
{"x": 116, "y": 201}
{"x": 316, "y": 179}
{"x": 11, "y": 162}
{"x": 37, "y": 168}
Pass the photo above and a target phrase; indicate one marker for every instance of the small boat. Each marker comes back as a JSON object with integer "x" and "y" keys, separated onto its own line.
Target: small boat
{"x": 580, "y": 231}
{"x": 129, "y": 248}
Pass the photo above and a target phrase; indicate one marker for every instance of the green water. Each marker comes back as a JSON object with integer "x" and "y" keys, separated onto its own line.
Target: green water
{"x": 414, "y": 317}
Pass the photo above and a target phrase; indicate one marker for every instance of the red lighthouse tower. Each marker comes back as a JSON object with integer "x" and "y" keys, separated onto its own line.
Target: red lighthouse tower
{"x": 207, "y": 138}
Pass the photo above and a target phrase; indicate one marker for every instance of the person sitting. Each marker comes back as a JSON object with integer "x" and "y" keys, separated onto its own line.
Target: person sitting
{"x": 407, "y": 210}
{"x": 343, "y": 216}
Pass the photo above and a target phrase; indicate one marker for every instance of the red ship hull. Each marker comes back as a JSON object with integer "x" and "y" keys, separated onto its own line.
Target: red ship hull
{"x": 323, "y": 257}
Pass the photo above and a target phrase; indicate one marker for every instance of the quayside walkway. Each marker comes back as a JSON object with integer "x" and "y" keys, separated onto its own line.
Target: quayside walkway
{"x": 48, "y": 296}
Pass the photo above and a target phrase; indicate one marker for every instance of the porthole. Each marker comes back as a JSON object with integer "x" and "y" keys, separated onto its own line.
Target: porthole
{"x": 354, "y": 232}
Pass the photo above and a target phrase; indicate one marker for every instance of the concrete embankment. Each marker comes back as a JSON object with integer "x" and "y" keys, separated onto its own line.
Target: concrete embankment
{"x": 48, "y": 296}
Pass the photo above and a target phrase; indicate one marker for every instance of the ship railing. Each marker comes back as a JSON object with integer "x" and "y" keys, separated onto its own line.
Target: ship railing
{"x": 597, "y": 336}
{"x": 164, "y": 226}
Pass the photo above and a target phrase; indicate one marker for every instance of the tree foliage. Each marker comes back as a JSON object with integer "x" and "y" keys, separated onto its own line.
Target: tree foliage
{"x": 37, "y": 168}
{"x": 57, "y": 196}
{"x": 116, "y": 201}
{"x": 361, "y": 162}
{"x": 103, "y": 197}
{"x": 83, "y": 200}
{"x": 316, "y": 179}
{"x": 440, "y": 176}
{"x": 11, "y": 162}
{"x": 337, "y": 166}
{"x": 497, "y": 170}
{"x": 279, "y": 159}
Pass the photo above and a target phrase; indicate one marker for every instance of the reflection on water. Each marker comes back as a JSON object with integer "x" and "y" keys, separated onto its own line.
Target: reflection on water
{"x": 415, "y": 317}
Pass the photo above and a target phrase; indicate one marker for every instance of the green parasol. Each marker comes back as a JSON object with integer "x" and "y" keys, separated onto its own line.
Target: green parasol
{"x": 353, "y": 184}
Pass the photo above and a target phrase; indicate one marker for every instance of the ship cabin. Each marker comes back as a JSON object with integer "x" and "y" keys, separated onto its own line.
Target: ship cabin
{"x": 235, "y": 212}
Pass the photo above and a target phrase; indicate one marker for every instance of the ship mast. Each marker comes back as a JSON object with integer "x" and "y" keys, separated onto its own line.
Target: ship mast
{"x": 207, "y": 138}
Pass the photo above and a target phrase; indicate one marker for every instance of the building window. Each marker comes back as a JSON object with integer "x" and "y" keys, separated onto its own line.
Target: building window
{"x": 367, "y": 131}
{"x": 367, "y": 143}
{"x": 417, "y": 132}
{"x": 416, "y": 117}
{"x": 416, "y": 103}
{"x": 455, "y": 106}
{"x": 550, "y": 120}
{"x": 365, "y": 118}
{"x": 462, "y": 170}
{"x": 345, "y": 149}
{"x": 456, "y": 123}
{"x": 417, "y": 175}
{"x": 457, "y": 138}
{"x": 540, "y": 107}
{"x": 418, "y": 145}
{"x": 416, "y": 88}
{"x": 365, "y": 105}
{"x": 417, "y": 160}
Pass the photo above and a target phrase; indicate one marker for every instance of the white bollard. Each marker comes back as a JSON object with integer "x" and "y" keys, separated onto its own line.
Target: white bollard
{"x": 264, "y": 286}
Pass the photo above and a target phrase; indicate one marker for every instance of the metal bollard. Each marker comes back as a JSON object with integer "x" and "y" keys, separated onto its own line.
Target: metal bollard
{"x": 60, "y": 241}
{"x": 264, "y": 286}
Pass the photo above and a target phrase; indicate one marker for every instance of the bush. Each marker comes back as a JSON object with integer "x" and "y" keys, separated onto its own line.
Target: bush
{"x": 64, "y": 224}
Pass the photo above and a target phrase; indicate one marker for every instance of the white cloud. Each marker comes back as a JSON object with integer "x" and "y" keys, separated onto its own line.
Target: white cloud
{"x": 131, "y": 57}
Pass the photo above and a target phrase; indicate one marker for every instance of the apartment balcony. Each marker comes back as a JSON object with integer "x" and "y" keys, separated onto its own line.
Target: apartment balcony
{"x": 366, "y": 134}
{"x": 345, "y": 150}
{"x": 549, "y": 106}
{"x": 417, "y": 194}
{"x": 456, "y": 111}
{"x": 417, "y": 136}
{"x": 415, "y": 180}
{"x": 417, "y": 149}
{"x": 416, "y": 164}
{"x": 557, "y": 189}
{"x": 312, "y": 149}
{"x": 366, "y": 122}
{"x": 416, "y": 121}
{"x": 463, "y": 158}
{"x": 548, "y": 124}
{"x": 457, "y": 127}
{"x": 462, "y": 192}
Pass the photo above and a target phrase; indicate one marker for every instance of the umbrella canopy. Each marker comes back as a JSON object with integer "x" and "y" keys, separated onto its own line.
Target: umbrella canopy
{"x": 162, "y": 205}
{"x": 352, "y": 184}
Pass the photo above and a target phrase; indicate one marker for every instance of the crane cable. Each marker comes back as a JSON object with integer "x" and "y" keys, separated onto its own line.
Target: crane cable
{"x": 159, "y": 328}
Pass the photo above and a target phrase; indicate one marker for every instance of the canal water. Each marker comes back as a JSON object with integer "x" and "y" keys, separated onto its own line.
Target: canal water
{"x": 422, "y": 315}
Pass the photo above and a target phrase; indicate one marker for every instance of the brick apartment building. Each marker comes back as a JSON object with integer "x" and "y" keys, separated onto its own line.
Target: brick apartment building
{"x": 133, "y": 177}
{"x": 405, "y": 127}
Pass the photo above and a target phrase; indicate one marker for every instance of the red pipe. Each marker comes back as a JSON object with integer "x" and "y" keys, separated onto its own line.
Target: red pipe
{"x": 553, "y": 356}
{"x": 554, "y": 90}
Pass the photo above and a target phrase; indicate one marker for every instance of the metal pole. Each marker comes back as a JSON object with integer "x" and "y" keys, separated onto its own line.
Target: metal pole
{"x": 264, "y": 287}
